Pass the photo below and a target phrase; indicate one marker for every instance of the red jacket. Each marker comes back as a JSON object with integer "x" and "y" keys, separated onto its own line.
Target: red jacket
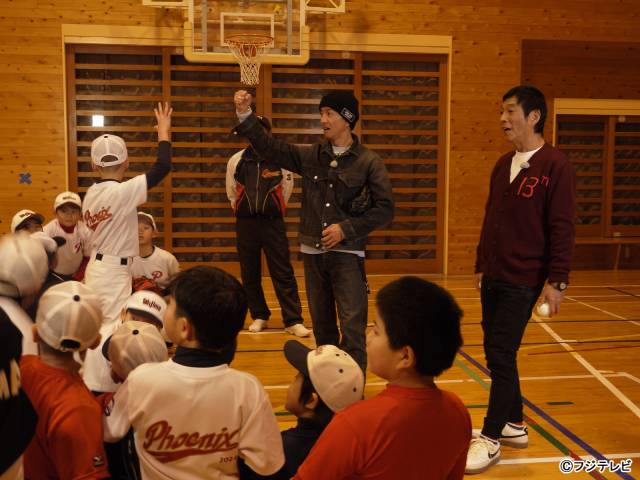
{"x": 528, "y": 231}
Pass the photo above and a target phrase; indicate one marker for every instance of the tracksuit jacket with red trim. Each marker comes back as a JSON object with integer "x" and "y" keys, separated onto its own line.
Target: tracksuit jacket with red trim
{"x": 256, "y": 187}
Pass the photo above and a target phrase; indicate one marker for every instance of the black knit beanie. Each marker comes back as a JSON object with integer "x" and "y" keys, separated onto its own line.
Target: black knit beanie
{"x": 343, "y": 102}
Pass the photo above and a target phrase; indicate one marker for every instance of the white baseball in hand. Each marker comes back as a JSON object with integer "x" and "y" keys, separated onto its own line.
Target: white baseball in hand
{"x": 543, "y": 309}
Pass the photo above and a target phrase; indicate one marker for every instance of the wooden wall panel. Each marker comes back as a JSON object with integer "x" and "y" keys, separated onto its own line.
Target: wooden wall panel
{"x": 486, "y": 61}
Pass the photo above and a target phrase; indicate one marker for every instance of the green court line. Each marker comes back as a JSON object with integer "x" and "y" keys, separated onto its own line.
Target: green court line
{"x": 537, "y": 427}
{"x": 560, "y": 403}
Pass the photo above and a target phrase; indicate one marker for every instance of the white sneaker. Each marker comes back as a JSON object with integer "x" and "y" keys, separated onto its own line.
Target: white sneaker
{"x": 512, "y": 435}
{"x": 483, "y": 452}
{"x": 515, "y": 436}
{"x": 258, "y": 325}
{"x": 298, "y": 329}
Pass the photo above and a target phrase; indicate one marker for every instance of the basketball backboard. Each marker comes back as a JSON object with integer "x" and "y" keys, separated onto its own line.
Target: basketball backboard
{"x": 211, "y": 23}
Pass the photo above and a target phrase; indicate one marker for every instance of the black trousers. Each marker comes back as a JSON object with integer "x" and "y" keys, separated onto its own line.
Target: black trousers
{"x": 506, "y": 310}
{"x": 336, "y": 281}
{"x": 253, "y": 235}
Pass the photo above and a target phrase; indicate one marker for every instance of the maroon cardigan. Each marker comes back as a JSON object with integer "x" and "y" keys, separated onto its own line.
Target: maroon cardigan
{"x": 528, "y": 231}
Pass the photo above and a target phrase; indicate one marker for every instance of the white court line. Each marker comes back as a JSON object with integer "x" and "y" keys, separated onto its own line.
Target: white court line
{"x": 603, "y": 311}
{"x": 612, "y": 388}
{"x": 629, "y": 376}
{"x": 520, "y": 461}
{"x": 488, "y": 380}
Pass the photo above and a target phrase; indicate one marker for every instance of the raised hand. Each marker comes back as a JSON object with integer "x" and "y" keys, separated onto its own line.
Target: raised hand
{"x": 163, "y": 117}
{"x": 243, "y": 101}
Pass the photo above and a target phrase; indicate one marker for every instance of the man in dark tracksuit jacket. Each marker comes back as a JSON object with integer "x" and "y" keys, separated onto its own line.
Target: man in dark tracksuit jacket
{"x": 258, "y": 191}
{"x": 525, "y": 249}
{"x": 346, "y": 194}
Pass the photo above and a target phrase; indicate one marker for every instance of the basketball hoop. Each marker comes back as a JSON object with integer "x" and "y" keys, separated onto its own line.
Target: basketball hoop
{"x": 249, "y": 48}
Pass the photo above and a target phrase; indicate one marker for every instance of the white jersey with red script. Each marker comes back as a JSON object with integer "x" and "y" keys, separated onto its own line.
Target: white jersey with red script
{"x": 160, "y": 266}
{"x": 71, "y": 253}
{"x": 193, "y": 423}
{"x": 110, "y": 212}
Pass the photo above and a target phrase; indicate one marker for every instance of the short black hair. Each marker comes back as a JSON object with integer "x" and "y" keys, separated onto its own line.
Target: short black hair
{"x": 530, "y": 99}
{"x": 322, "y": 414}
{"x": 424, "y": 316}
{"x": 213, "y": 301}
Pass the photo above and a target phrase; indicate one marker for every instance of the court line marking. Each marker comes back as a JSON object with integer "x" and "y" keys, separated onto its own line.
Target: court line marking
{"x": 541, "y": 413}
{"x": 519, "y": 461}
{"x": 602, "y": 310}
{"x": 488, "y": 380}
{"x": 610, "y": 386}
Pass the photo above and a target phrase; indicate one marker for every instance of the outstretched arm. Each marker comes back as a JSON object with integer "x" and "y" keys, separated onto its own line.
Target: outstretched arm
{"x": 162, "y": 167}
{"x": 282, "y": 154}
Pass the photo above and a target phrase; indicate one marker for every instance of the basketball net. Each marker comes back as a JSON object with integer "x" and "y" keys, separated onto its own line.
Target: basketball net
{"x": 249, "y": 49}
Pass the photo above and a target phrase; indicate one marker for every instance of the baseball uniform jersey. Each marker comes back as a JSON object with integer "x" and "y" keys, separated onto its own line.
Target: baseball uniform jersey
{"x": 160, "y": 266}
{"x": 70, "y": 255}
{"x": 194, "y": 423}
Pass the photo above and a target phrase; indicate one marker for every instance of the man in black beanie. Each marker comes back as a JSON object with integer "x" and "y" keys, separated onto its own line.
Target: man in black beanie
{"x": 346, "y": 195}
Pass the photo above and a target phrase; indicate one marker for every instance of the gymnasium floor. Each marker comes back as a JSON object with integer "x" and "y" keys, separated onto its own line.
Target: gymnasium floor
{"x": 580, "y": 373}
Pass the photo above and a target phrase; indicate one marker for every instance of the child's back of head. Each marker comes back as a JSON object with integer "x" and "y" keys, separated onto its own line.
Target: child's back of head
{"x": 207, "y": 307}
{"x": 424, "y": 316}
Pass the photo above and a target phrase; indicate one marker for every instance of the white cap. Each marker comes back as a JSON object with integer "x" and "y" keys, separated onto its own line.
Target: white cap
{"x": 150, "y": 218}
{"x": 67, "y": 197}
{"x": 133, "y": 344}
{"x": 69, "y": 317}
{"x": 23, "y": 263}
{"x": 148, "y": 302}
{"x": 23, "y": 215}
{"x": 336, "y": 376}
{"x": 108, "y": 145}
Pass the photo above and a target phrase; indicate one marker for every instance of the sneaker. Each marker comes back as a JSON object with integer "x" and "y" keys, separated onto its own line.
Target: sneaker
{"x": 483, "y": 452}
{"x": 258, "y": 325}
{"x": 298, "y": 329}
{"x": 512, "y": 435}
{"x": 515, "y": 436}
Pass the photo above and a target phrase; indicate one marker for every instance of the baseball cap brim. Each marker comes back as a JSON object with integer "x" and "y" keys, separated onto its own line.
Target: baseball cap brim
{"x": 296, "y": 354}
{"x": 39, "y": 218}
{"x": 105, "y": 348}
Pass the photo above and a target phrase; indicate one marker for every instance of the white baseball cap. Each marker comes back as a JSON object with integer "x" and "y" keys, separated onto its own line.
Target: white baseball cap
{"x": 67, "y": 197}
{"x": 22, "y": 216}
{"x": 108, "y": 145}
{"x": 150, "y": 218}
{"x": 23, "y": 264}
{"x": 336, "y": 376}
{"x": 132, "y": 344}
{"x": 148, "y": 302}
{"x": 69, "y": 317}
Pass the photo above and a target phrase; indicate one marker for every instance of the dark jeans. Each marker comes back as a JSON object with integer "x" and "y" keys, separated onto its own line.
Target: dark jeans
{"x": 338, "y": 279}
{"x": 506, "y": 309}
{"x": 254, "y": 234}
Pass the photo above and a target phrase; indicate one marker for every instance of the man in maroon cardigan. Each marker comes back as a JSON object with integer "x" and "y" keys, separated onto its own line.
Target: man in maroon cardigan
{"x": 525, "y": 248}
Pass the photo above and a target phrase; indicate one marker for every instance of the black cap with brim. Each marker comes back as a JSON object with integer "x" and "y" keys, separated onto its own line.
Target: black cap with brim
{"x": 105, "y": 347}
{"x": 296, "y": 354}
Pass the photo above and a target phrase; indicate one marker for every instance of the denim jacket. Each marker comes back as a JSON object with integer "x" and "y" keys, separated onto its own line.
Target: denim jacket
{"x": 356, "y": 194}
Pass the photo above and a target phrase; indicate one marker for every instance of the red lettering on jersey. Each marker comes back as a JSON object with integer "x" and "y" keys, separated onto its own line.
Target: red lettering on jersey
{"x": 165, "y": 447}
{"x": 527, "y": 186}
{"x": 545, "y": 180}
{"x": 156, "y": 274}
{"x": 92, "y": 221}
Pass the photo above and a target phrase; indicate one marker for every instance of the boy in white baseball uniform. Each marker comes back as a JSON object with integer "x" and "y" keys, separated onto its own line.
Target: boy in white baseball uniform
{"x": 68, "y": 208}
{"x": 109, "y": 212}
{"x": 193, "y": 416}
{"x": 154, "y": 267}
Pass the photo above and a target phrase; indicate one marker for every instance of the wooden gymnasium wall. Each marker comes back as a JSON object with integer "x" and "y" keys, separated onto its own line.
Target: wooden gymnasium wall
{"x": 486, "y": 61}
